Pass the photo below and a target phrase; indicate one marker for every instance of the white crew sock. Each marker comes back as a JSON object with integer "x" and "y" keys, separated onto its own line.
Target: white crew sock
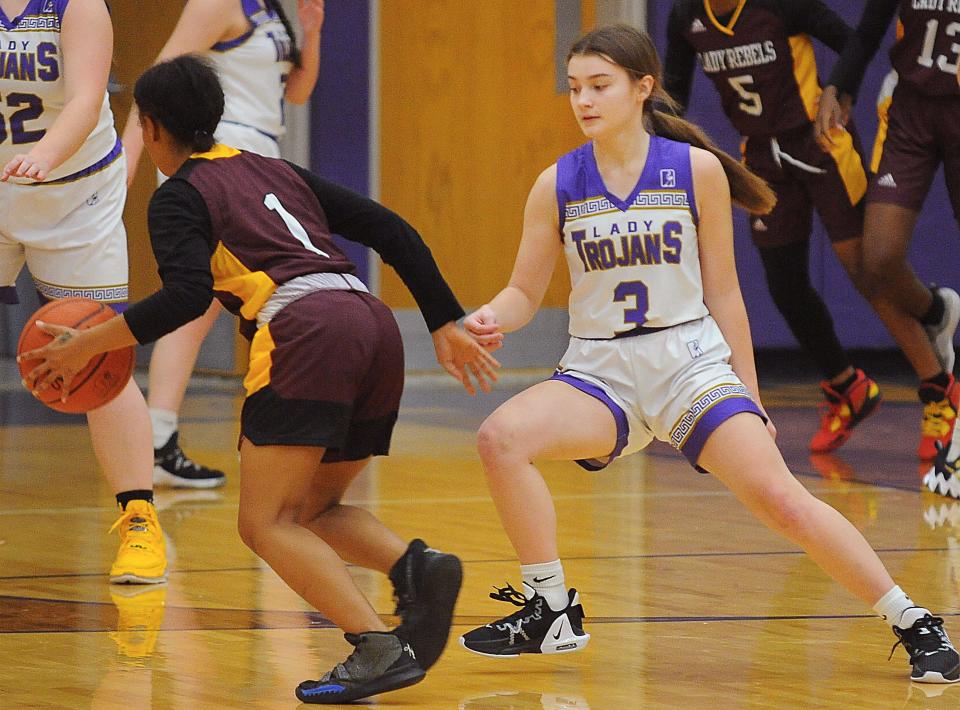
{"x": 546, "y": 579}
{"x": 897, "y": 609}
{"x": 164, "y": 425}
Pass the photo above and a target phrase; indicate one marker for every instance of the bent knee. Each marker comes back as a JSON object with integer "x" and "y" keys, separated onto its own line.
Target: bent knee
{"x": 790, "y": 513}
{"x": 498, "y": 440}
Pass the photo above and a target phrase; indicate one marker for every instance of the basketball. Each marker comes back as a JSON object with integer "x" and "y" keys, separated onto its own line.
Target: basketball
{"x": 102, "y": 379}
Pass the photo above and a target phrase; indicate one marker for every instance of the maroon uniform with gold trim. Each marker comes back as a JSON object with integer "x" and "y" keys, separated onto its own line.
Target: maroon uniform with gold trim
{"x": 923, "y": 126}
{"x": 326, "y": 360}
{"x": 760, "y": 59}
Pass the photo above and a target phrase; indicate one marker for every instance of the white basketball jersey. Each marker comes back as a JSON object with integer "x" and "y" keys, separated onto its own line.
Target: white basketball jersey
{"x": 634, "y": 263}
{"x": 253, "y": 71}
{"x": 32, "y": 91}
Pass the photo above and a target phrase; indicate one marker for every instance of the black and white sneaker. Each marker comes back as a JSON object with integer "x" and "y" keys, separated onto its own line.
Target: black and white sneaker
{"x": 172, "y": 467}
{"x": 933, "y": 657}
{"x": 941, "y": 334}
{"x": 942, "y": 477}
{"x": 380, "y": 662}
{"x": 426, "y": 583}
{"x": 535, "y": 628}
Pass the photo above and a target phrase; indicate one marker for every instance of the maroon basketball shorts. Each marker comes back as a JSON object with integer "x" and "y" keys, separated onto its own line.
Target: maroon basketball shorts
{"x": 804, "y": 177}
{"x": 327, "y": 371}
{"x": 922, "y": 131}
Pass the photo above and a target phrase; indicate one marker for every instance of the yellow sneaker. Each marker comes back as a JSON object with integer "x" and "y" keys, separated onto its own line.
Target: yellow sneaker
{"x": 142, "y": 557}
{"x": 140, "y": 615}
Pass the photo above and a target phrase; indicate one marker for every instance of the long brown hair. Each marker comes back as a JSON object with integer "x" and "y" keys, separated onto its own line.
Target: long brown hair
{"x": 634, "y": 51}
{"x": 294, "y": 49}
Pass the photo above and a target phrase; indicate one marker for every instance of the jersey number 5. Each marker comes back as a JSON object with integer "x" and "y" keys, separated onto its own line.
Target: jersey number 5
{"x": 751, "y": 103}
{"x": 272, "y": 203}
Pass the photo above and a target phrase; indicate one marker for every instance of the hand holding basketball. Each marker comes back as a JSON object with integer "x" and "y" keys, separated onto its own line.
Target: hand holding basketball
{"x": 66, "y": 372}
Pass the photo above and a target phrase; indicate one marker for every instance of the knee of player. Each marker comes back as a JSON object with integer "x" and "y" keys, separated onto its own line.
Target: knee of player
{"x": 497, "y": 439}
{"x": 788, "y": 512}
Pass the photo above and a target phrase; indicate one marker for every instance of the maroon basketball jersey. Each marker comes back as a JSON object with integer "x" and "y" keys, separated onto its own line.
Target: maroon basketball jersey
{"x": 759, "y": 57}
{"x": 269, "y": 224}
{"x": 927, "y": 54}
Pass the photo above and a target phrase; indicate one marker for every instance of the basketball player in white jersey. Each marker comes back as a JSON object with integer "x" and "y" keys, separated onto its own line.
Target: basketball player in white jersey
{"x": 61, "y": 207}
{"x": 253, "y": 47}
{"x": 660, "y": 348}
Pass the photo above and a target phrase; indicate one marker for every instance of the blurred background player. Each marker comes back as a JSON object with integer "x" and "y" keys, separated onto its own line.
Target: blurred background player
{"x": 62, "y": 192}
{"x": 660, "y": 348}
{"x": 923, "y": 130}
{"x": 770, "y": 95}
{"x": 256, "y": 232}
{"x": 253, "y": 46}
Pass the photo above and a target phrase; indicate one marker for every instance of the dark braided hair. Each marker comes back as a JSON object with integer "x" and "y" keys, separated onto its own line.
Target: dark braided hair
{"x": 184, "y": 96}
{"x": 294, "y": 50}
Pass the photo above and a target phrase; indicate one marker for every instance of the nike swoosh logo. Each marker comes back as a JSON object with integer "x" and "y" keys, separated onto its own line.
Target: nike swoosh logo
{"x": 538, "y": 580}
{"x": 556, "y": 636}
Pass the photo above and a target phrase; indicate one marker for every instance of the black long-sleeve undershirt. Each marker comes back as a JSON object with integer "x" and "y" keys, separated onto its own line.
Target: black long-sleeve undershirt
{"x": 851, "y": 66}
{"x": 181, "y": 232}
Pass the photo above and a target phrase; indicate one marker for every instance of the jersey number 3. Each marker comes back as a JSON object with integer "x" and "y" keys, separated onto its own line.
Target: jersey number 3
{"x": 638, "y": 314}
{"x": 272, "y": 203}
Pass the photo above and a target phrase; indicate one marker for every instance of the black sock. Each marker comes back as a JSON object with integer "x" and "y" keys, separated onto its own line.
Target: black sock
{"x": 842, "y": 387}
{"x": 125, "y": 497}
{"x": 934, "y": 314}
{"x": 934, "y": 394}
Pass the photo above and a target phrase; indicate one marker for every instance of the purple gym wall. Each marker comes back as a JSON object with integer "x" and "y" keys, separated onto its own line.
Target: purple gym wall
{"x": 934, "y": 243}
{"x": 340, "y": 106}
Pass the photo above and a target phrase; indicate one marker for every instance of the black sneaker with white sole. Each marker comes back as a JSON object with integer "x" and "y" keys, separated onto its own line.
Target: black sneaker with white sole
{"x": 535, "y": 628}
{"x": 933, "y": 657}
{"x": 381, "y": 662}
{"x": 426, "y": 583}
{"x": 172, "y": 467}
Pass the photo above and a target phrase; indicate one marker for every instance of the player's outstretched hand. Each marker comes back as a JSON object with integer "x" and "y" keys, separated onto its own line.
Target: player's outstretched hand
{"x": 833, "y": 115}
{"x": 25, "y": 166}
{"x": 462, "y": 356}
{"x": 60, "y": 359}
{"x": 482, "y": 326}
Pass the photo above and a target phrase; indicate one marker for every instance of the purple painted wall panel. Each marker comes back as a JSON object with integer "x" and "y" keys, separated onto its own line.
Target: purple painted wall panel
{"x": 934, "y": 248}
{"x": 340, "y": 106}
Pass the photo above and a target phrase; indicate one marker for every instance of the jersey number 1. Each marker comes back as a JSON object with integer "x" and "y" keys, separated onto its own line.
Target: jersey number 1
{"x": 273, "y": 204}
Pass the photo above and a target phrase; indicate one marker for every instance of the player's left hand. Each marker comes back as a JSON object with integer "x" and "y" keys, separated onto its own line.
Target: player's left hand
{"x": 26, "y": 166}
{"x": 60, "y": 360}
{"x": 310, "y": 13}
{"x": 461, "y": 356}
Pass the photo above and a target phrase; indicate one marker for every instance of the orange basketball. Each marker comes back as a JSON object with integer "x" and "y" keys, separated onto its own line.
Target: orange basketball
{"x": 103, "y": 378}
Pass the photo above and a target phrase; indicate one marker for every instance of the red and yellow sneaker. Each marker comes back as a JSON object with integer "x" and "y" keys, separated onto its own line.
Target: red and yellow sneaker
{"x": 843, "y": 411}
{"x": 940, "y": 407}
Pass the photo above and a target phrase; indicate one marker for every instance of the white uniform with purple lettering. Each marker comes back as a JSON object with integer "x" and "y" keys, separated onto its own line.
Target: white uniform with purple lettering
{"x": 69, "y": 228}
{"x": 642, "y": 341}
{"x": 253, "y": 71}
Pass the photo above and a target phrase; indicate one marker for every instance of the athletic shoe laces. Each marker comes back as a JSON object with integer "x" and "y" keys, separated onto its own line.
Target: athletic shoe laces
{"x": 925, "y": 638}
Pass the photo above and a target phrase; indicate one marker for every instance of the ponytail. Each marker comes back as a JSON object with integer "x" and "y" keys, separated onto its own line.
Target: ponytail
{"x": 294, "y": 50}
{"x": 747, "y": 189}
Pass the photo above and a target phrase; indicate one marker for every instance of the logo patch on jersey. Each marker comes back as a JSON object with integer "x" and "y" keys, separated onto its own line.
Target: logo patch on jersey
{"x": 48, "y": 6}
{"x": 693, "y": 346}
{"x": 668, "y": 178}
{"x": 697, "y": 26}
{"x": 759, "y": 225}
{"x": 887, "y": 181}
{"x": 93, "y": 199}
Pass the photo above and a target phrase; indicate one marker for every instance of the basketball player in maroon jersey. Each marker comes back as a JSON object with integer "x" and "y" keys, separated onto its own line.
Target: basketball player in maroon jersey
{"x": 325, "y": 373}
{"x": 923, "y": 131}
{"x": 760, "y": 58}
